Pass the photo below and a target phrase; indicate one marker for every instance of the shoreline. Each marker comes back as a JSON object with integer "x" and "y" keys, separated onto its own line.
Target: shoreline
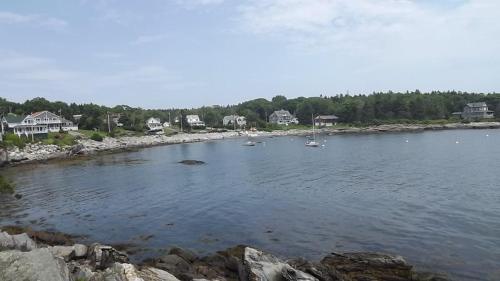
{"x": 39, "y": 255}
{"x": 39, "y": 153}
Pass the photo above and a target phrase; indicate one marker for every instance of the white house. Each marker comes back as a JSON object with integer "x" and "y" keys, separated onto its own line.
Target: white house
{"x": 37, "y": 123}
{"x": 154, "y": 124}
{"x": 234, "y": 120}
{"x": 166, "y": 125}
{"x": 194, "y": 121}
{"x": 282, "y": 117}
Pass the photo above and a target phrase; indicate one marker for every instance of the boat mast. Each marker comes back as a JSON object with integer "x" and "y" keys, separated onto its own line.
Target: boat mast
{"x": 314, "y": 134}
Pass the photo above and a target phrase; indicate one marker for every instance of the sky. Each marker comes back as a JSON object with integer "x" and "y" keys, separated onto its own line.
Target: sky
{"x": 189, "y": 53}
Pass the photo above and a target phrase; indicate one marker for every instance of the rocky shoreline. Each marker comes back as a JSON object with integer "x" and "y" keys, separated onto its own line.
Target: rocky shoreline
{"x": 48, "y": 256}
{"x": 38, "y": 152}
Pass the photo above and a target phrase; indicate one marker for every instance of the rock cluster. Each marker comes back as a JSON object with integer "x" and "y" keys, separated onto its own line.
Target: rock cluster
{"x": 23, "y": 259}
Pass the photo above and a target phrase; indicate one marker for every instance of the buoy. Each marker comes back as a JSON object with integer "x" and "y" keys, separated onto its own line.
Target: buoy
{"x": 457, "y": 142}
{"x": 407, "y": 141}
{"x": 487, "y": 135}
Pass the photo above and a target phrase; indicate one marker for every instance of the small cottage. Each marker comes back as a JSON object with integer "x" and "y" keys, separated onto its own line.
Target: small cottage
{"x": 154, "y": 124}
{"x": 325, "y": 120}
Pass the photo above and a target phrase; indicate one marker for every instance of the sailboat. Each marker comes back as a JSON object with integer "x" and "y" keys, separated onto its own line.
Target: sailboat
{"x": 313, "y": 142}
{"x": 250, "y": 141}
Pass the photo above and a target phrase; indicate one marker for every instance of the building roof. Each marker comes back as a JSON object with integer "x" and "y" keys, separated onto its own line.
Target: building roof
{"x": 154, "y": 119}
{"x": 476, "y": 104}
{"x": 326, "y": 117}
{"x": 13, "y": 118}
{"x": 233, "y": 117}
{"x": 281, "y": 112}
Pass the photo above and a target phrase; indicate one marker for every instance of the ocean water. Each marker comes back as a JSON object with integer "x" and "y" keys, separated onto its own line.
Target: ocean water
{"x": 432, "y": 197}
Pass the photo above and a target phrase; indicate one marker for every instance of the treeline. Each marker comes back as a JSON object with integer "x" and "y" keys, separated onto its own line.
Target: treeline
{"x": 375, "y": 108}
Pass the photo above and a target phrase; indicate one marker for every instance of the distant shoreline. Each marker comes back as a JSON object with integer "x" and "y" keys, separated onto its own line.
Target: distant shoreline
{"x": 39, "y": 153}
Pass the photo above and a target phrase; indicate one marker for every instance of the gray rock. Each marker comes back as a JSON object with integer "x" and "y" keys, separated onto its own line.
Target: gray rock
{"x": 317, "y": 270}
{"x": 102, "y": 256}
{"x": 16, "y": 242}
{"x": 377, "y": 266}
{"x": 155, "y": 274}
{"x": 191, "y": 162}
{"x": 65, "y": 252}
{"x": 183, "y": 253}
{"x": 37, "y": 265}
{"x": 76, "y": 149}
{"x": 174, "y": 264}
{"x": 259, "y": 266}
{"x": 80, "y": 250}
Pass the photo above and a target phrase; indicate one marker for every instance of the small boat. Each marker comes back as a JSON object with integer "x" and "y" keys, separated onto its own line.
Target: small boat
{"x": 312, "y": 142}
{"x": 249, "y": 143}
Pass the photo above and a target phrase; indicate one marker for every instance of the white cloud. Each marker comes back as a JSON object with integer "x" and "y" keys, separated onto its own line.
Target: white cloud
{"x": 145, "y": 39}
{"x": 28, "y": 76}
{"x": 189, "y": 4}
{"x": 37, "y": 20}
{"x": 107, "y": 55}
{"x": 371, "y": 25}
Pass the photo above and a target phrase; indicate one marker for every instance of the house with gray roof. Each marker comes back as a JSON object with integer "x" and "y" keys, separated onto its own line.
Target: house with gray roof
{"x": 476, "y": 111}
{"x": 282, "y": 117}
{"x": 325, "y": 120}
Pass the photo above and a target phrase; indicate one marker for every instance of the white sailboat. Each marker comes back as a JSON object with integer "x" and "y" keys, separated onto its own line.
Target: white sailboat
{"x": 250, "y": 141}
{"x": 313, "y": 142}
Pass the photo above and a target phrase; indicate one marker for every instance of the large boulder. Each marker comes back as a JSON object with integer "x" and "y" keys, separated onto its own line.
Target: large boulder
{"x": 102, "y": 257}
{"x": 260, "y": 266}
{"x": 76, "y": 149}
{"x": 16, "y": 242}
{"x": 36, "y": 265}
{"x": 318, "y": 270}
{"x": 68, "y": 253}
{"x": 65, "y": 252}
{"x": 120, "y": 272}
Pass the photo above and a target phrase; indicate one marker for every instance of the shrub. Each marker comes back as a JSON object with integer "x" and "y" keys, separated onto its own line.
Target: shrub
{"x": 61, "y": 139}
{"x": 6, "y": 186}
{"x": 96, "y": 137}
{"x": 14, "y": 140}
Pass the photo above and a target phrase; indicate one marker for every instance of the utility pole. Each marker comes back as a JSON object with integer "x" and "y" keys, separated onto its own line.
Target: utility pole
{"x": 3, "y": 131}
{"x": 109, "y": 124}
{"x": 60, "y": 119}
{"x": 180, "y": 120}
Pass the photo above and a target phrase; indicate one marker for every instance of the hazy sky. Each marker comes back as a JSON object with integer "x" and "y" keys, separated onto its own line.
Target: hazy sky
{"x": 183, "y": 53}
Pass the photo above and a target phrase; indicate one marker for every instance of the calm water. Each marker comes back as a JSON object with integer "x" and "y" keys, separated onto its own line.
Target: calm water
{"x": 432, "y": 200}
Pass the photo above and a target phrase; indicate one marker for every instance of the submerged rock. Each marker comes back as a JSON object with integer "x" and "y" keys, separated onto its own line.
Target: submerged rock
{"x": 369, "y": 266}
{"x": 191, "y": 162}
